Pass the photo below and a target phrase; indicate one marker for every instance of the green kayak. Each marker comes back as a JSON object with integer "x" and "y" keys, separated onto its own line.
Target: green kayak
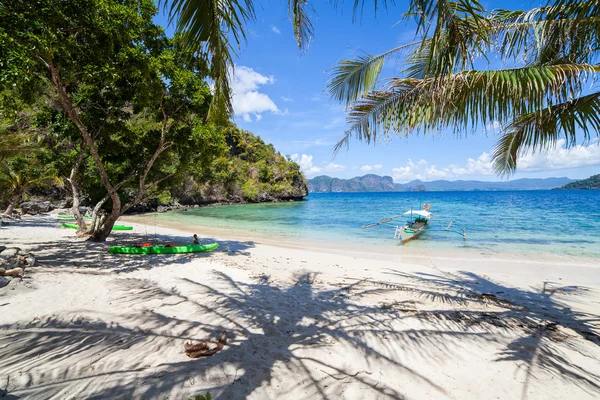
{"x": 192, "y": 248}
{"x": 114, "y": 228}
{"x": 70, "y": 217}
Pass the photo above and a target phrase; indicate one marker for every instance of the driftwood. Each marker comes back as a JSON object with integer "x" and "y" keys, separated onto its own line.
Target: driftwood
{"x": 203, "y": 349}
{"x": 14, "y": 271}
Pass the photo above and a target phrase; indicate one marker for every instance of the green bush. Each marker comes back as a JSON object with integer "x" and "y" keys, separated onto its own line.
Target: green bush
{"x": 250, "y": 190}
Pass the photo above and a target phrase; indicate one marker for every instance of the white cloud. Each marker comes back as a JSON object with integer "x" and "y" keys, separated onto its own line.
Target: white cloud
{"x": 420, "y": 170}
{"x": 369, "y": 168}
{"x": 246, "y": 97}
{"x": 306, "y": 165}
{"x": 287, "y": 99}
{"x": 493, "y": 126}
{"x": 258, "y": 117}
{"x": 555, "y": 158}
{"x": 275, "y": 29}
{"x": 560, "y": 157}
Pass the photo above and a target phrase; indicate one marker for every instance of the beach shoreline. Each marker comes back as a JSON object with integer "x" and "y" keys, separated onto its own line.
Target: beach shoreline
{"x": 301, "y": 323}
{"x": 148, "y": 224}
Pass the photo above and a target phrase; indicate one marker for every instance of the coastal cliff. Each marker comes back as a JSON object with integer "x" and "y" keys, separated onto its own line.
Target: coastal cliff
{"x": 245, "y": 170}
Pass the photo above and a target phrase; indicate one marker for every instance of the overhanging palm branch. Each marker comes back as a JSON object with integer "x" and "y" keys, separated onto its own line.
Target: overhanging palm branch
{"x": 563, "y": 45}
{"x": 462, "y": 100}
{"x": 351, "y": 79}
{"x": 541, "y": 130}
{"x": 209, "y": 24}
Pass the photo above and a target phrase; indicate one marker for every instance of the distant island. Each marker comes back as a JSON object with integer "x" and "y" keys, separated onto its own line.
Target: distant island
{"x": 593, "y": 182}
{"x": 376, "y": 183}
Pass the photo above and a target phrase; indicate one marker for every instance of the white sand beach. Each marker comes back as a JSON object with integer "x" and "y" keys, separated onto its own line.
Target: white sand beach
{"x": 301, "y": 323}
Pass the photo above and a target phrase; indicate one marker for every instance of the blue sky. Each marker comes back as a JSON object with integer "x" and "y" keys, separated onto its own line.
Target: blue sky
{"x": 278, "y": 95}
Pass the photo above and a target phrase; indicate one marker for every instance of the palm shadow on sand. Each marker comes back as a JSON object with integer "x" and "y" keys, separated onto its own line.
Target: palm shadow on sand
{"x": 547, "y": 326}
{"x": 269, "y": 328}
{"x": 272, "y": 328}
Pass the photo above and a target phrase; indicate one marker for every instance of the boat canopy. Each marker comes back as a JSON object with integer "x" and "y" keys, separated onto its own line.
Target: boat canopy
{"x": 422, "y": 213}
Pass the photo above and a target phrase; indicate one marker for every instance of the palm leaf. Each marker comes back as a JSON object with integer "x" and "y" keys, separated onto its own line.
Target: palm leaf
{"x": 209, "y": 24}
{"x": 352, "y": 78}
{"x": 540, "y": 130}
{"x": 463, "y": 100}
{"x": 303, "y": 28}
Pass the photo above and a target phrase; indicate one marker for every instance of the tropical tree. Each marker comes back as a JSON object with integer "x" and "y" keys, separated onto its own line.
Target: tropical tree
{"x": 134, "y": 97}
{"x": 543, "y": 92}
{"x": 20, "y": 174}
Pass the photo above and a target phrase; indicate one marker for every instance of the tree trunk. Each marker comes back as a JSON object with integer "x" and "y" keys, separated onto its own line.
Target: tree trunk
{"x": 13, "y": 203}
{"x": 105, "y": 226}
{"x": 94, "y": 222}
{"x": 74, "y": 180}
{"x": 73, "y": 114}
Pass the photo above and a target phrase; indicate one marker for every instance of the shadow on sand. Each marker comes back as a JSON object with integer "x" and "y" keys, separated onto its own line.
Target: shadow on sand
{"x": 272, "y": 330}
{"x": 136, "y": 351}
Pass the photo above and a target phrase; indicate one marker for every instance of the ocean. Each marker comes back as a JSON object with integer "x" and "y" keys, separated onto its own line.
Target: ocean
{"x": 550, "y": 222}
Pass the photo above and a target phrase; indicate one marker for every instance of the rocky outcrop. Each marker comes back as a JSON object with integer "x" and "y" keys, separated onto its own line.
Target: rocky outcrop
{"x": 13, "y": 262}
{"x": 31, "y": 207}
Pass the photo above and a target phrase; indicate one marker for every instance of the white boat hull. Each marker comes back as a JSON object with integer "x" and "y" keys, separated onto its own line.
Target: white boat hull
{"x": 405, "y": 233}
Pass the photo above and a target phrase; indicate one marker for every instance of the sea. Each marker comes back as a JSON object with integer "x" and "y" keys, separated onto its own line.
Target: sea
{"x": 548, "y": 222}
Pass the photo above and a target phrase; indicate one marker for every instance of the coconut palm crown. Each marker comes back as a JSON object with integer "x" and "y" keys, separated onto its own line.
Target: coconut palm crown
{"x": 544, "y": 92}
{"x": 219, "y": 28}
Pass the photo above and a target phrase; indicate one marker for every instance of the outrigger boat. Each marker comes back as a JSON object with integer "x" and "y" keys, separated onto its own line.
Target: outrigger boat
{"x": 415, "y": 226}
{"x": 418, "y": 222}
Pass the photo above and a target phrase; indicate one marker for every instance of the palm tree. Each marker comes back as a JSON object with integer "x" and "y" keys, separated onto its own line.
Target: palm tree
{"x": 550, "y": 53}
{"x": 219, "y": 27}
{"x": 19, "y": 181}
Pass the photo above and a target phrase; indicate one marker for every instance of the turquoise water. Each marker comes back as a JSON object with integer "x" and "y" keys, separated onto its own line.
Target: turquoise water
{"x": 557, "y": 222}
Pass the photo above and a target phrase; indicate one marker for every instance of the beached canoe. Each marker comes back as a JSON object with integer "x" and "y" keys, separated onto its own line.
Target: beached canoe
{"x": 114, "y": 228}
{"x": 192, "y": 248}
{"x": 70, "y": 217}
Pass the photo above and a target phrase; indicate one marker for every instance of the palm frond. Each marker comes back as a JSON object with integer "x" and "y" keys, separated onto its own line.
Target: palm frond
{"x": 303, "y": 28}
{"x": 209, "y": 24}
{"x": 463, "y": 100}
{"x": 542, "y": 129}
{"x": 461, "y": 30}
{"x": 550, "y": 34}
{"x": 352, "y": 78}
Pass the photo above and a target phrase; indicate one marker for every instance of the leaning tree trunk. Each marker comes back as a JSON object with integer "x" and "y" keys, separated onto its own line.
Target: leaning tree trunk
{"x": 105, "y": 226}
{"x": 13, "y": 203}
{"x": 74, "y": 180}
{"x": 101, "y": 232}
{"x": 96, "y": 222}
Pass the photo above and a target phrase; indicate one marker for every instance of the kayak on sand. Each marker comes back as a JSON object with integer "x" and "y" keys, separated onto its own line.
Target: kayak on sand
{"x": 114, "y": 228}
{"x": 192, "y": 248}
{"x": 71, "y": 217}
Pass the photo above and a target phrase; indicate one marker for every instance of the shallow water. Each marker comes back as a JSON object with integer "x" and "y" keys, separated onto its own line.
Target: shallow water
{"x": 555, "y": 222}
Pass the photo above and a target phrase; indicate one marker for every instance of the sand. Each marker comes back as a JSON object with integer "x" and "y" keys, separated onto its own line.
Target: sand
{"x": 314, "y": 323}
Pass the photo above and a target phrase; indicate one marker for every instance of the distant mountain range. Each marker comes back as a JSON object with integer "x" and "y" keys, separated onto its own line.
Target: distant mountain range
{"x": 593, "y": 182}
{"x": 376, "y": 183}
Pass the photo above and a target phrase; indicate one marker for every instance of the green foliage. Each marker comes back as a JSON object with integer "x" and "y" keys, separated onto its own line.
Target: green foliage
{"x": 202, "y": 397}
{"x": 554, "y": 50}
{"x": 245, "y": 169}
{"x": 141, "y": 103}
{"x": 20, "y": 174}
{"x": 251, "y": 190}
{"x": 593, "y": 182}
